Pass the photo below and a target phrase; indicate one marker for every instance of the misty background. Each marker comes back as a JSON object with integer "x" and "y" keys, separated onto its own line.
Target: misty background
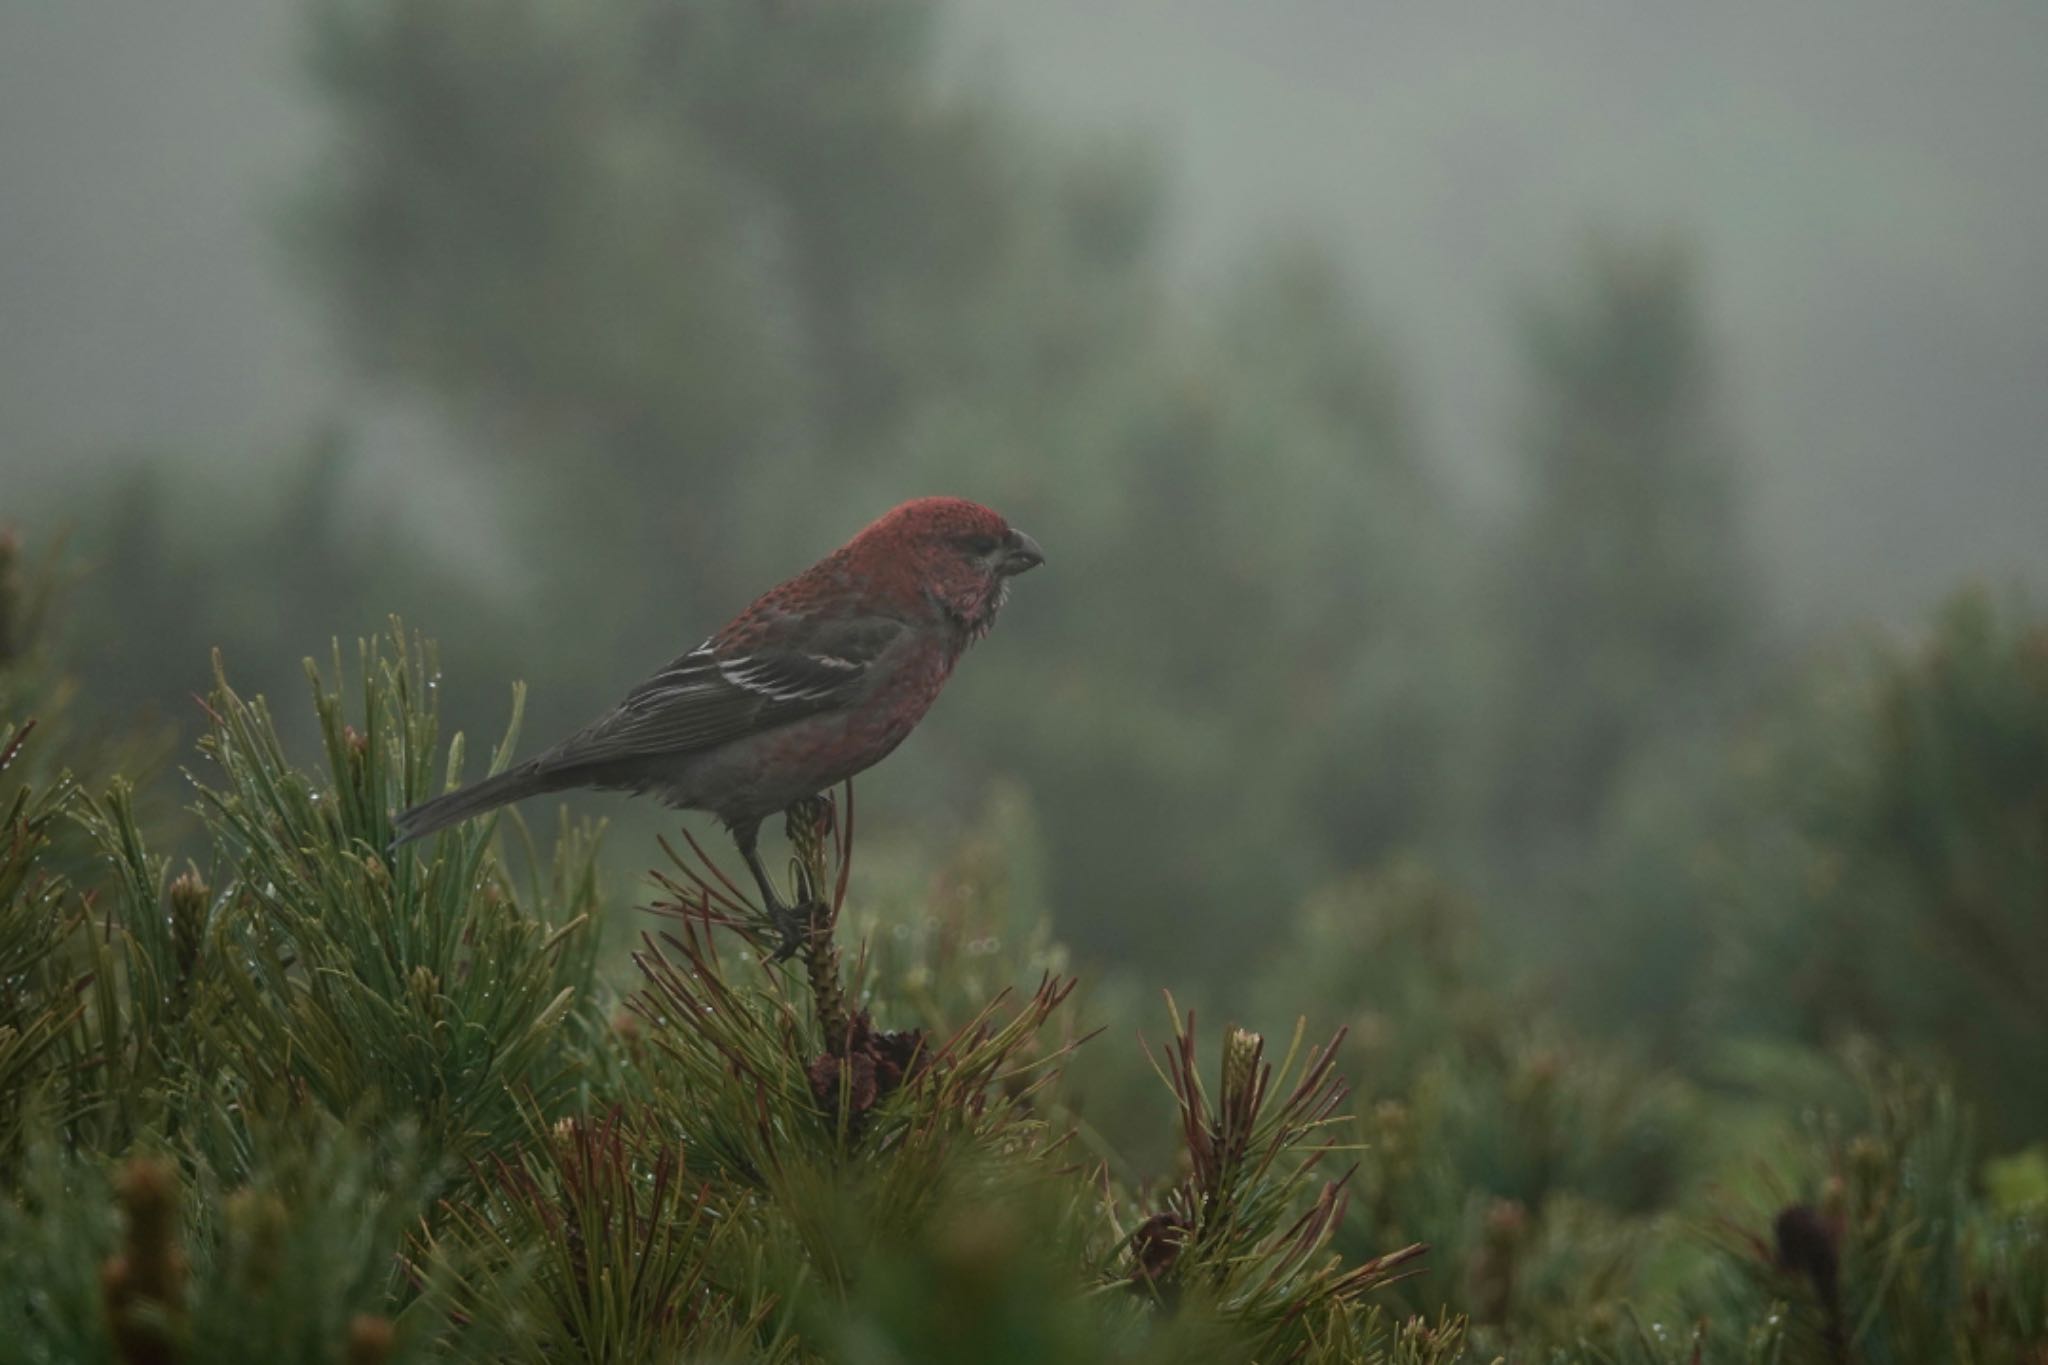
{"x": 1864, "y": 181}
{"x": 1530, "y": 442}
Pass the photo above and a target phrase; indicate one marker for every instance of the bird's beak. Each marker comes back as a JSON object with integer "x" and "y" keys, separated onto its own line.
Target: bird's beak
{"x": 1020, "y": 553}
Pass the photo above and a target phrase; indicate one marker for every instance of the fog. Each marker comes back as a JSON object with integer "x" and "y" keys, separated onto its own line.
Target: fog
{"x": 1866, "y": 181}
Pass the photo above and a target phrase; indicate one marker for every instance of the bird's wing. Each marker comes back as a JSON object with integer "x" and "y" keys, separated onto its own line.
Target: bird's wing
{"x": 713, "y": 694}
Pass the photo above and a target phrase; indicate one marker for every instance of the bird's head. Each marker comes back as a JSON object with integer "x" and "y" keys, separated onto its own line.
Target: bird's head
{"x": 954, "y": 554}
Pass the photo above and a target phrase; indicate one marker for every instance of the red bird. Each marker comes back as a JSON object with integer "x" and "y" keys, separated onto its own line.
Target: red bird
{"x": 816, "y": 681}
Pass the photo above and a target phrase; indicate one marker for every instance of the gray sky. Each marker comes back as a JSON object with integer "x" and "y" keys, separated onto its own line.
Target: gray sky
{"x": 1868, "y": 180}
{"x": 146, "y": 150}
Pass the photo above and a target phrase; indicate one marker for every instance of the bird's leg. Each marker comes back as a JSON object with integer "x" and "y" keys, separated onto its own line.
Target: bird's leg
{"x": 790, "y": 925}
{"x": 802, "y": 924}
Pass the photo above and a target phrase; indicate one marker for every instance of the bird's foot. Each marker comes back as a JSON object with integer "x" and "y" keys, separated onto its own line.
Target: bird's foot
{"x": 794, "y": 925}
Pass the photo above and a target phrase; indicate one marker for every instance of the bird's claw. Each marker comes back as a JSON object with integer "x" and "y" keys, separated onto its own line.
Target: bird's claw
{"x": 794, "y": 925}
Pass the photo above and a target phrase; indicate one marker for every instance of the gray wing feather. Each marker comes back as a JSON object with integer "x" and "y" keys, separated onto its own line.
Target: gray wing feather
{"x": 702, "y": 700}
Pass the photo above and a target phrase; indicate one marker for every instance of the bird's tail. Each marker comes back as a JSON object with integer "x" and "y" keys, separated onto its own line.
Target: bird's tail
{"x": 514, "y": 784}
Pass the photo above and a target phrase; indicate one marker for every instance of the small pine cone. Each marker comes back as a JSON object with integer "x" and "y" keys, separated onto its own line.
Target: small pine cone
{"x": 898, "y": 1054}
{"x": 1807, "y": 1245}
{"x": 858, "y": 1071}
{"x": 1157, "y": 1244}
{"x": 142, "y": 1287}
{"x": 370, "y": 1340}
{"x": 148, "y": 1191}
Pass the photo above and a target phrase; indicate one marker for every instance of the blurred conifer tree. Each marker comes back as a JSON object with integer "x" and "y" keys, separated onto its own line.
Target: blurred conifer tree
{"x": 1624, "y": 589}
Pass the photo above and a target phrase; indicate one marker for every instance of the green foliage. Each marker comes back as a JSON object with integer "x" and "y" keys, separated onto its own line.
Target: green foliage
{"x": 594, "y": 1241}
{"x": 1226, "y": 1236}
{"x": 357, "y": 976}
{"x": 329, "y": 1101}
{"x": 1943, "y": 850}
{"x": 131, "y": 1261}
{"x": 36, "y": 1002}
{"x": 1869, "y": 860}
{"x": 1886, "y": 1255}
{"x": 311, "y": 1099}
{"x": 1534, "y": 1162}
{"x": 57, "y": 984}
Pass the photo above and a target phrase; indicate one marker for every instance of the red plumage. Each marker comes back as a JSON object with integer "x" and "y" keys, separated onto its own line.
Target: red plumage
{"x": 818, "y": 680}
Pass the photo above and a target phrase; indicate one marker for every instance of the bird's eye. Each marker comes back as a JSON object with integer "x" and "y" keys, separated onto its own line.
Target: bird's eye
{"x": 978, "y": 545}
